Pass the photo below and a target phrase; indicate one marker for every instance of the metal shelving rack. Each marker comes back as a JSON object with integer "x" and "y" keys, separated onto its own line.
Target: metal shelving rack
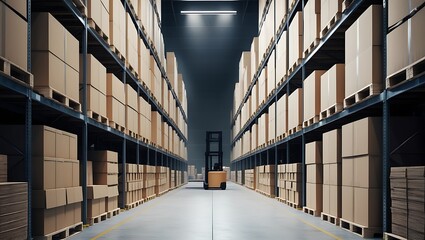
{"x": 329, "y": 51}
{"x": 22, "y": 105}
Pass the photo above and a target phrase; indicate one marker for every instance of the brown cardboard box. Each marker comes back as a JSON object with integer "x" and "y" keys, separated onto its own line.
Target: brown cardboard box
{"x": 131, "y": 119}
{"x": 332, "y": 87}
{"x": 295, "y": 39}
{"x": 105, "y": 179}
{"x": 132, "y": 43}
{"x": 13, "y": 32}
{"x": 312, "y": 95}
{"x": 62, "y": 146}
{"x": 367, "y": 172}
{"x": 144, "y": 108}
{"x": 131, "y": 98}
{"x": 117, "y": 25}
{"x": 332, "y": 146}
{"x": 282, "y": 115}
{"x": 49, "y": 71}
{"x": 335, "y": 174}
{"x": 329, "y": 8}
{"x": 144, "y": 64}
{"x": 347, "y": 136}
{"x": 72, "y": 50}
{"x": 48, "y": 199}
{"x": 115, "y": 111}
{"x": 115, "y": 88}
{"x": 314, "y": 196}
{"x": 98, "y": 11}
{"x": 19, "y": 6}
{"x": 348, "y": 172}
{"x": 313, "y": 152}
{"x": 368, "y": 207}
{"x": 335, "y": 204}
{"x": 95, "y": 207}
{"x": 295, "y": 103}
{"x": 103, "y": 156}
{"x": 105, "y": 167}
{"x": 112, "y": 191}
{"x": 43, "y": 221}
{"x": 311, "y": 13}
{"x": 348, "y": 203}
{"x": 61, "y": 170}
{"x": 254, "y": 57}
{"x": 89, "y": 173}
{"x": 326, "y": 198}
{"x": 96, "y": 72}
{"x": 111, "y": 203}
{"x": 44, "y": 173}
{"x": 97, "y": 191}
{"x": 74, "y": 195}
{"x": 314, "y": 173}
{"x": 367, "y": 136}
{"x": 47, "y": 33}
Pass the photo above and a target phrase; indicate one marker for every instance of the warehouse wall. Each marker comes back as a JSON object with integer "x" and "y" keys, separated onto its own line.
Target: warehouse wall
{"x": 208, "y": 49}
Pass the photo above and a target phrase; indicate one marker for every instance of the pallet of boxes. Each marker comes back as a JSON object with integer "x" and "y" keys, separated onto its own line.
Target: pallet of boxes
{"x": 149, "y": 182}
{"x": 314, "y": 176}
{"x": 102, "y": 185}
{"x": 266, "y": 184}
{"x": 56, "y": 190}
{"x": 161, "y": 180}
{"x": 132, "y": 188}
{"x": 293, "y": 183}
{"x": 13, "y": 205}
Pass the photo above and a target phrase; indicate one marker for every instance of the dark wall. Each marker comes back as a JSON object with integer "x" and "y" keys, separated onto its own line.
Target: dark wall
{"x": 208, "y": 49}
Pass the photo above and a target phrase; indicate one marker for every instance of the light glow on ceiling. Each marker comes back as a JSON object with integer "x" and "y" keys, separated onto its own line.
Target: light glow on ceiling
{"x": 208, "y": 13}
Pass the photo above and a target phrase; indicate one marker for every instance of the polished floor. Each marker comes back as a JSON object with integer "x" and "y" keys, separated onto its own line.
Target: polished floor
{"x": 192, "y": 213}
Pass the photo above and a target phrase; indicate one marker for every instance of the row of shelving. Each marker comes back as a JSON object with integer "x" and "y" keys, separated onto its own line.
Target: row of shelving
{"x": 322, "y": 66}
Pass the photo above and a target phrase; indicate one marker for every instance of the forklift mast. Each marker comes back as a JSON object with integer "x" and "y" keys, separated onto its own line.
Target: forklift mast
{"x": 213, "y": 155}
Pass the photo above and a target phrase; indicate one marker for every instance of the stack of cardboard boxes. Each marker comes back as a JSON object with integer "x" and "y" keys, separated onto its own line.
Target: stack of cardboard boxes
{"x": 98, "y": 16}
{"x": 96, "y": 88}
{"x": 131, "y": 111}
{"x": 133, "y": 184}
{"x": 55, "y": 60}
{"x": 295, "y": 42}
{"x": 293, "y": 183}
{"x": 173, "y": 179}
{"x": 105, "y": 172}
{"x": 295, "y": 112}
{"x": 149, "y": 182}
{"x": 271, "y": 136}
{"x": 407, "y": 201}
{"x": 156, "y": 80}
{"x": 96, "y": 203}
{"x": 330, "y": 12}
{"x": 239, "y": 176}
{"x": 363, "y": 62}
{"x": 362, "y": 174}
{"x": 312, "y": 27}
{"x": 249, "y": 178}
{"x": 312, "y": 98}
{"x": 161, "y": 180}
{"x": 13, "y": 33}
{"x": 144, "y": 120}
{"x": 332, "y": 176}
{"x": 282, "y": 117}
{"x": 233, "y": 176}
{"x": 117, "y": 28}
{"x": 132, "y": 46}
{"x": 314, "y": 172}
{"x": 13, "y": 205}
{"x": 332, "y": 85}
{"x": 156, "y": 128}
{"x": 281, "y": 185}
{"x": 115, "y": 102}
{"x": 266, "y": 179}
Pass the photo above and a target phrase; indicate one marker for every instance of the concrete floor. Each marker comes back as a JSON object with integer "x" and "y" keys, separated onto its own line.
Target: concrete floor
{"x": 193, "y": 213}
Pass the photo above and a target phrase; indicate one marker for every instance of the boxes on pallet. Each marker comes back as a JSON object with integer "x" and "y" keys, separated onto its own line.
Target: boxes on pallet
{"x": 266, "y": 31}
{"x": 263, "y": 126}
{"x": 117, "y": 27}
{"x": 362, "y": 137}
{"x": 312, "y": 97}
{"x": 172, "y": 69}
{"x": 281, "y": 63}
{"x": 404, "y": 42}
{"x": 282, "y": 115}
{"x": 156, "y": 79}
{"x": 144, "y": 119}
{"x": 332, "y": 90}
{"x": 271, "y": 74}
{"x": 262, "y": 87}
{"x": 164, "y": 95}
{"x": 312, "y": 27}
{"x": 272, "y": 126}
{"x": 332, "y": 146}
{"x": 96, "y": 200}
{"x": 13, "y": 33}
{"x": 116, "y": 98}
{"x": 366, "y": 56}
{"x": 254, "y": 137}
{"x": 98, "y": 12}
{"x": 131, "y": 110}
{"x": 330, "y": 12}
{"x": 280, "y": 12}
{"x": 295, "y": 104}
{"x": 295, "y": 41}
{"x": 3, "y": 168}
{"x": 13, "y": 210}
{"x": 144, "y": 65}
{"x": 255, "y": 62}
{"x": 55, "y": 57}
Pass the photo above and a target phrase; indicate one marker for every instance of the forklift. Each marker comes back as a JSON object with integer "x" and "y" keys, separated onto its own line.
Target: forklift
{"x": 215, "y": 177}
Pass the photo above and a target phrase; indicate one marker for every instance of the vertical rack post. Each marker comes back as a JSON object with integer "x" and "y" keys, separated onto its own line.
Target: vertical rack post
{"x": 28, "y": 127}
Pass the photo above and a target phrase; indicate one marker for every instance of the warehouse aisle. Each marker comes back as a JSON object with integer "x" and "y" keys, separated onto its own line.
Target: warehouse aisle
{"x": 193, "y": 213}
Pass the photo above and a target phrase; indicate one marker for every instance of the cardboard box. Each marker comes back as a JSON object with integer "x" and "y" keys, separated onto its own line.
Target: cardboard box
{"x": 347, "y": 203}
{"x": 103, "y": 156}
{"x": 295, "y": 103}
{"x": 115, "y": 88}
{"x": 312, "y": 27}
{"x": 335, "y": 200}
{"x": 367, "y": 172}
{"x": 335, "y": 174}
{"x": 131, "y": 120}
{"x": 329, "y": 8}
{"x": 295, "y": 39}
{"x": 18, "y": 6}
{"x": 115, "y": 111}
{"x": 332, "y": 147}
{"x": 98, "y": 11}
{"x": 131, "y": 97}
{"x": 132, "y": 44}
{"x": 314, "y": 196}
{"x": 368, "y": 136}
{"x": 13, "y": 34}
{"x": 44, "y": 173}
{"x": 48, "y": 199}
{"x": 312, "y": 95}
{"x": 332, "y": 88}
{"x": 367, "y": 206}
{"x": 112, "y": 191}
{"x": 96, "y": 207}
{"x": 96, "y": 101}
{"x": 105, "y": 167}
{"x": 97, "y": 191}
{"x": 348, "y": 172}
{"x": 43, "y": 221}
{"x": 111, "y": 203}
{"x": 313, "y": 152}
{"x": 117, "y": 26}
{"x": 144, "y": 64}
{"x": 326, "y": 199}
{"x": 314, "y": 173}
{"x": 96, "y": 72}
{"x": 105, "y": 179}
{"x": 74, "y": 195}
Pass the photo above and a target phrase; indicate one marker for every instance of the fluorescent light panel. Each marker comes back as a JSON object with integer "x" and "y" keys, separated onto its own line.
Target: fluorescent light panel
{"x": 208, "y": 12}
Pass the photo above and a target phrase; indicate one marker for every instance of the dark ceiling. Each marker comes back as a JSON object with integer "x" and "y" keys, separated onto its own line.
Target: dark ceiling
{"x": 208, "y": 50}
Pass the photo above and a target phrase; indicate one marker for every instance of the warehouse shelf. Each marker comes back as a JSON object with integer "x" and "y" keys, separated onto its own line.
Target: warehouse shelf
{"x": 329, "y": 52}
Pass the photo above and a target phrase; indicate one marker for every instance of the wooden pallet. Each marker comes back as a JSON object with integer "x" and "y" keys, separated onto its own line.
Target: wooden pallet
{"x": 133, "y": 204}
{"x": 414, "y": 70}
{"x": 113, "y": 213}
{"x": 92, "y": 24}
{"x": 293, "y": 205}
{"x": 311, "y": 47}
{"x": 133, "y": 10}
{"x": 281, "y": 200}
{"x": 294, "y": 66}
{"x": 311, "y": 121}
{"x": 270, "y": 142}
{"x": 329, "y": 218}
{"x": 331, "y": 111}
{"x": 330, "y": 25}
{"x": 16, "y": 73}
{"x": 364, "y": 232}
{"x": 116, "y": 126}
{"x": 291, "y": 5}
{"x": 391, "y": 236}
{"x": 98, "y": 219}
{"x": 143, "y": 139}
{"x": 132, "y": 134}
{"x": 97, "y": 117}
{"x": 162, "y": 193}
{"x": 80, "y": 6}
{"x": 363, "y": 94}
{"x": 294, "y": 130}
{"x": 150, "y": 198}
{"x": 311, "y": 211}
{"x": 118, "y": 53}
{"x": 346, "y": 4}
{"x": 59, "y": 97}
{"x": 62, "y": 233}
{"x": 281, "y": 137}
{"x": 132, "y": 70}
{"x": 264, "y": 193}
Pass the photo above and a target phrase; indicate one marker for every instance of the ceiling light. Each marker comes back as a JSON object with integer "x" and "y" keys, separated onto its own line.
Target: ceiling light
{"x": 208, "y": 12}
